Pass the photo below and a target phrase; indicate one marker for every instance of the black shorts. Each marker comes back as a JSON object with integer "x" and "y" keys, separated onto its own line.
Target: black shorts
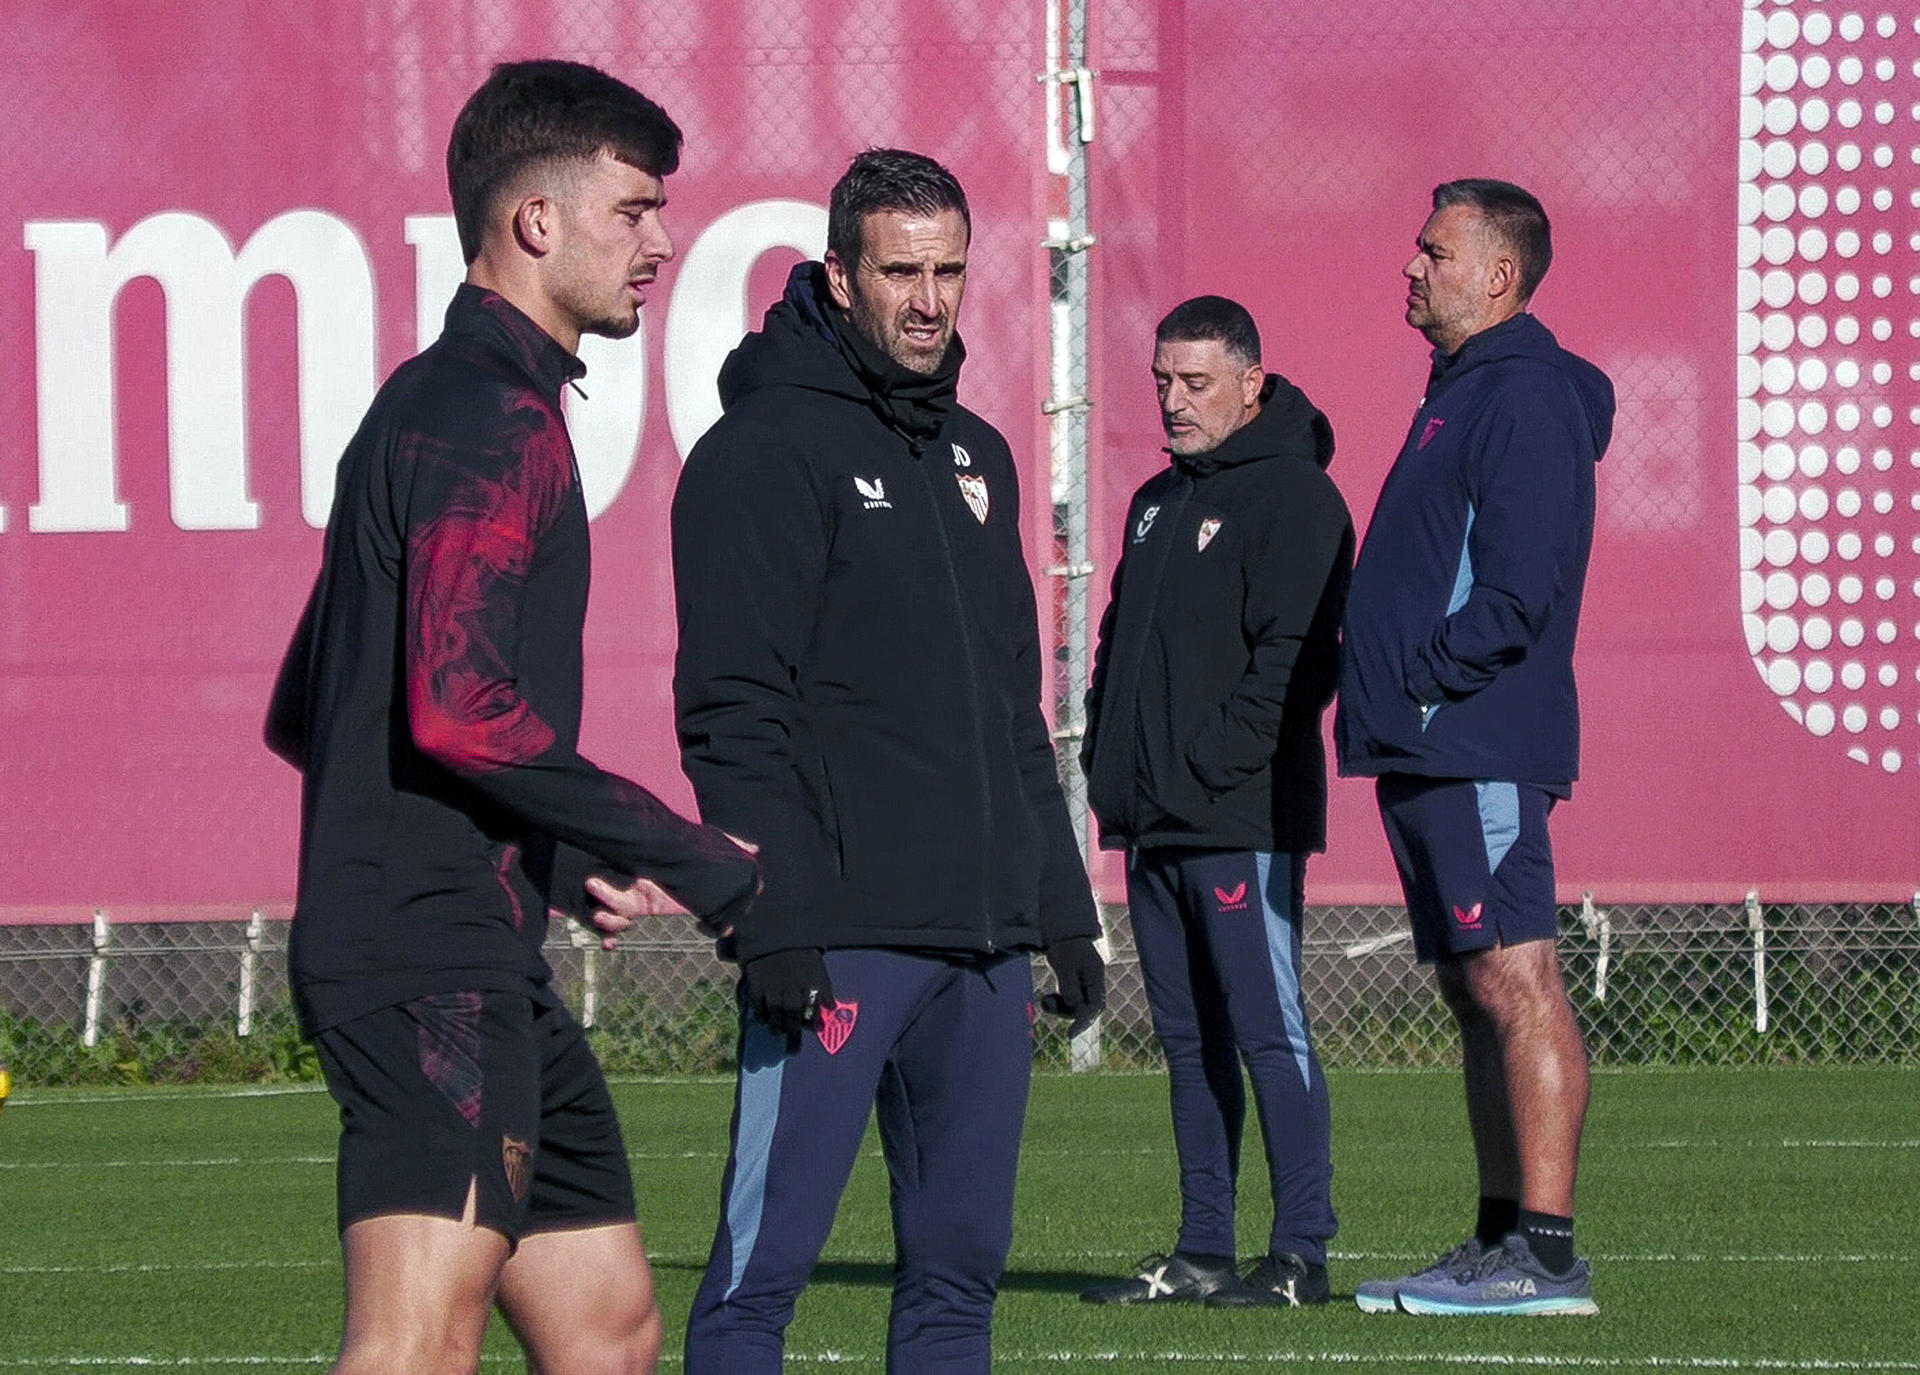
{"x": 1474, "y": 859}
{"x": 493, "y": 1092}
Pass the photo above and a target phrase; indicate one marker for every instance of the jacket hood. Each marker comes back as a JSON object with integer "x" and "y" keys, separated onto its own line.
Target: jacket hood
{"x": 795, "y": 346}
{"x": 809, "y": 342}
{"x": 1287, "y": 425}
{"x": 1524, "y": 336}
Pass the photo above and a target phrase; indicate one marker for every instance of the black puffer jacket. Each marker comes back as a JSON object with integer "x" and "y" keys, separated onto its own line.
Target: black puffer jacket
{"x": 858, "y": 681}
{"x": 1220, "y": 647}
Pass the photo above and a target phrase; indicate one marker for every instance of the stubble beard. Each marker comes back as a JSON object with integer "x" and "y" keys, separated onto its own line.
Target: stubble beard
{"x": 890, "y": 340}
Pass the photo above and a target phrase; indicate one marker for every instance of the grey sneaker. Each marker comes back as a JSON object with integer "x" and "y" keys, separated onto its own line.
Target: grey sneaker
{"x": 1165, "y": 1279}
{"x": 1282, "y": 1281}
{"x": 1507, "y": 1278}
{"x": 1383, "y": 1296}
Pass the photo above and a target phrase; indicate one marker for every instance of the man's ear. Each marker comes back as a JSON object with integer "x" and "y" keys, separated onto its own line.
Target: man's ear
{"x": 838, "y": 285}
{"x": 536, "y": 220}
{"x": 1503, "y": 277}
{"x": 1251, "y": 380}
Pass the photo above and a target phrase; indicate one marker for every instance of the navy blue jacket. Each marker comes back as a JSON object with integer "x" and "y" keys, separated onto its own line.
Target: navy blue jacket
{"x": 858, "y": 682}
{"x": 1457, "y": 659}
{"x": 1219, "y": 649}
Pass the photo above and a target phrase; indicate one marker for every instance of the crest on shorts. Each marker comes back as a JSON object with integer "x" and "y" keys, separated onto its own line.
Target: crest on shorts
{"x": 1468, "y": 918}
{"x": 1208, "y": 529}
{"x": 836, "y": 1025}
{"x": 1232, "y": 899}
{"x": 517, "y": 1155}
{"x": 974, "y": 489}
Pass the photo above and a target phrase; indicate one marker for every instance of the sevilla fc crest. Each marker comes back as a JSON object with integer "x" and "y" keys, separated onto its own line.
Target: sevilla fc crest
{"x": 517, "y": 1156}
{"x": 1208, "y": 529}
{"x": 974, "y": 489}
{"x": 836, "y": 1025}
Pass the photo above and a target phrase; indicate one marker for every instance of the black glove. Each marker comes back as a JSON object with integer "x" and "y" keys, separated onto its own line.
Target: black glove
{"x": 1082, "y": 977}
{"x": 787, "y": 989}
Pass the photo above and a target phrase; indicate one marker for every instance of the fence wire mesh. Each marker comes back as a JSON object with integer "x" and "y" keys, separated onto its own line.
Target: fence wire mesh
{"x": 1728, "y": 984}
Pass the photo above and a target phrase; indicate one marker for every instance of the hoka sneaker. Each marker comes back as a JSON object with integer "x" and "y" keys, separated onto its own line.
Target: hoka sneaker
{"x": 1507, "y": 1278}
{"x": 1165, "y": 1279}
{"x": 1282, "y": 1281}
{"x": 1383, "y": 1296}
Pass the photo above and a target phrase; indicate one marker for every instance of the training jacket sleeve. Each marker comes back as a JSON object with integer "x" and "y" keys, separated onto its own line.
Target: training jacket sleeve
{"x": 1097, "y": 680}
{"x": 1284, "y": 583}
{"x": 473, "y": 529}
{"x": 1066, "y": 896}
{"x": 749, "y": 559}
{"x": 1523, "y": 543}
{"x": 286, "y": 728}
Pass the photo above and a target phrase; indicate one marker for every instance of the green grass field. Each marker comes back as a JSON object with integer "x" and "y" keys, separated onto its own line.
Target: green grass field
{"x": 1737, "y": 1219}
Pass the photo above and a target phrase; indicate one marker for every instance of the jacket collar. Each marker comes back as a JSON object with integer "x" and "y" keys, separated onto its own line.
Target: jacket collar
{"x": 488, "y": 321}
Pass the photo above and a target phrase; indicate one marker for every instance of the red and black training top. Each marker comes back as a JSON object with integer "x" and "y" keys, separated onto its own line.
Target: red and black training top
{"x": 432, "y": 693}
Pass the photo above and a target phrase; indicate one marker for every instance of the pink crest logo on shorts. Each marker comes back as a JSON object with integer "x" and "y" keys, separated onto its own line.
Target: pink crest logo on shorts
{"x": 1232, "y": 899}
{"x": 1468, "y": 918}
{"x": 836, "y": 1025}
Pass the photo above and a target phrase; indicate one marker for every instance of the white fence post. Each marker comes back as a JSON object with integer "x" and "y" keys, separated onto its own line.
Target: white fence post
{"x": 1599, "y": 926}
{"x": 97, "y": 976}
{"x": 1757, "y": 923}
{"x": 249, "y": 965}
{"x": 590, "y": 990}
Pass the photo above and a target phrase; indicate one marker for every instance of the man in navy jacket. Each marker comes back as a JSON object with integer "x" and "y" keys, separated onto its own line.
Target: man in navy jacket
{"x": 1457, "y": 695}
{"x": 1217, "y": 657}
{"x": 858, "y": 692}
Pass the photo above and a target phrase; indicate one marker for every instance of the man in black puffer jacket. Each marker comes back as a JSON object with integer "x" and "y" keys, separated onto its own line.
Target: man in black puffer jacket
{"x": 857, "y": 693}
{"x": 1218, "y": 653}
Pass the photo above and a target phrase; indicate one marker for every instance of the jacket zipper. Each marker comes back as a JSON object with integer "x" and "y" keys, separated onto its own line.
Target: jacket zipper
{"x": 973, "y": 698}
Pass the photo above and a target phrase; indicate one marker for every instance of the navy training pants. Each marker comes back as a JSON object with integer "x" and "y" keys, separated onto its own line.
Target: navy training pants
{"x": 1219, "y": 938}
{"x": 943, "y": 1048}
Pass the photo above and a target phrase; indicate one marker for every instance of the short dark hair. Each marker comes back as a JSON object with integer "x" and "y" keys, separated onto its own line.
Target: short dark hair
{"x": 529, "y": 113}
{"x": 1513, "y": 214}
{"x": 1212, "y": 318}
{"x": 883, "y": 179}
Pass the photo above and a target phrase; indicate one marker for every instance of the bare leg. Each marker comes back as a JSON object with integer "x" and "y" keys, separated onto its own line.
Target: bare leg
{"x": 418, "y": 1292}
{"x": 1519, "y": 991}
{"x": 1495, "y": 1152}
{"x": 581, "y": 1302}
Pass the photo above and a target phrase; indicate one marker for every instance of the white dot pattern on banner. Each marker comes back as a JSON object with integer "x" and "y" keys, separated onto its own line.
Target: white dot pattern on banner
{"x": 1827, "y": 276}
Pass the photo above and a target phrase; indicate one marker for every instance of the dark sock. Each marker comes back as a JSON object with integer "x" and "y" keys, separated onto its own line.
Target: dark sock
{"x": 1498, "y": 1216}
{"x": 1551, "y": 1239}
{"x": 1205, "y": 1261}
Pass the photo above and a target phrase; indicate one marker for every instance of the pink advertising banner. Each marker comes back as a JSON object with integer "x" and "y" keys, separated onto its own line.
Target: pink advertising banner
{"x": 226, "y": 222}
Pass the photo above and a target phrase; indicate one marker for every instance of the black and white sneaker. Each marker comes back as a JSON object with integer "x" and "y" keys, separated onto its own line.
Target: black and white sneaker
{"x": 1166, "y": 1279}
{"x": 1282, "y": 1281}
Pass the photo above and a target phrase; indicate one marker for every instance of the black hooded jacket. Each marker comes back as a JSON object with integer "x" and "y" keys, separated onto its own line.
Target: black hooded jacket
{"x": 858, "y": 681}
{"x": 1220, "y": 646}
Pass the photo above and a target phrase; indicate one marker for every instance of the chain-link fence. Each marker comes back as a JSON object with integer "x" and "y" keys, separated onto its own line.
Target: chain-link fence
{"x": 1722, "y": 984}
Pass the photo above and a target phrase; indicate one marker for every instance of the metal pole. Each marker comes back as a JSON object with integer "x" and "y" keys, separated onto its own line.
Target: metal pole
{"x": 97, "y": 976}
{"x": 1070, "y": 114}
{"x": 249, "y": 964}
{"x": 1599, "y": 926}
{"x": 1757, "y": 924}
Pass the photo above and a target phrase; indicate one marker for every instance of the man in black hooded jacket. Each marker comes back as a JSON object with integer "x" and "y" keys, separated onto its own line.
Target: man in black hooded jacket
{"x": 1218, "y": 653}
{"x": 857, "y": 692}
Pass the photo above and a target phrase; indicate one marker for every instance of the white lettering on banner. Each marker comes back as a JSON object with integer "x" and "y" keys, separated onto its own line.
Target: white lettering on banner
{"x": 77, "y": 279}
{"x": 709, "y": 310}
